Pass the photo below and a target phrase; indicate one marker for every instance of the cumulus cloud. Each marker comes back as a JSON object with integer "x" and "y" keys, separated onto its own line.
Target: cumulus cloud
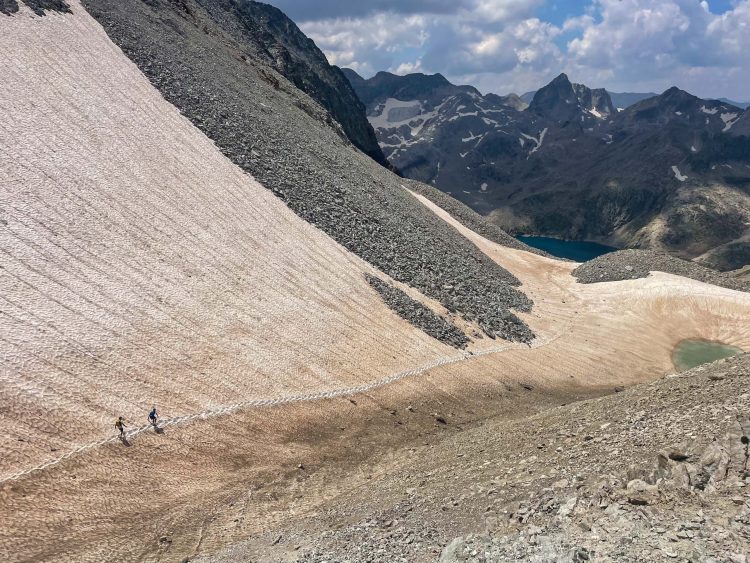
{"x": 508, "y": 45}
{"x": 368, "y": 45}
{"x": 654, "y": 44}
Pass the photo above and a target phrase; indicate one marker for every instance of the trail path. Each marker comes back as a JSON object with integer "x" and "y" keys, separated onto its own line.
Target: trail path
{"x": 271, "y": 402}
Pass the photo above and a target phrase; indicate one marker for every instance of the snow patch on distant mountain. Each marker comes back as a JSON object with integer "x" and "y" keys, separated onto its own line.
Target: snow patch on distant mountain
{"x": 538, "y": 141}
{"x": 471, "y": 137}
{"x": 728, "y": 119}
{"x": 678, "y": 174}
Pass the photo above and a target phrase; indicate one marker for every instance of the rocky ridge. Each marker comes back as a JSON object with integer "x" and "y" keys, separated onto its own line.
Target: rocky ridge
{"x": 204, "y": 65}
{"x": 634, "y": 264}
{"x": 470, "y": 218}
{"x": 279, "y": 43}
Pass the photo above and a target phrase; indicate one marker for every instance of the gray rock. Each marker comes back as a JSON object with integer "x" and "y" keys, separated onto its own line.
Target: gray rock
{"x": 454, "y": 552}
{"x": 630, "y": 264}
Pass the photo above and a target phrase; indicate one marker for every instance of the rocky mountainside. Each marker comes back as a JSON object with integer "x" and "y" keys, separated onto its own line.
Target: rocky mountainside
{"x": 204, "y": 58}
{"x": 279, "y": 42}
{"x": 563, "y": 103}
{"x": 670, "y": 172}
{"x": 183, "y": 227}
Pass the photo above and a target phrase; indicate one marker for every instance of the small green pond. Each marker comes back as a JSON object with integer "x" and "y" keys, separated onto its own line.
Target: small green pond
{"x": 691, "y": 353}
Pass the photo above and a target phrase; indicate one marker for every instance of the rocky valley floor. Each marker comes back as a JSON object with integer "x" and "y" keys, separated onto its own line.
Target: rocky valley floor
{"x": 658, "y": 472}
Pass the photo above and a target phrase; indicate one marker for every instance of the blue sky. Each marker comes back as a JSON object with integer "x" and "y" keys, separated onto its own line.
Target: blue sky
{"x": 519, "y": 45}
{"x": 557, "y": 11}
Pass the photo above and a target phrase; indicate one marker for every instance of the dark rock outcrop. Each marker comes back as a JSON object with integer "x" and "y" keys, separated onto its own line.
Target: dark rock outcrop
{"x": 634, "y": 264}
{"x": 8, "y": 7}
{"x": 419, "y": 315}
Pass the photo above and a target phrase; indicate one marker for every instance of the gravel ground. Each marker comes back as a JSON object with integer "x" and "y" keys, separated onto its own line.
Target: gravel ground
{"x": 288, "y": 142}
{"x": 419, "y": 315}
{"x": 634, "y": 264}
{"x": 658, "y": 472}
{"x": 470, "y": 218}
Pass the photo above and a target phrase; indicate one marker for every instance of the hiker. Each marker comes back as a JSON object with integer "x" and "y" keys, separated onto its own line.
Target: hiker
{"x": 152, "y": 416}
{"x": 120, "y": 425}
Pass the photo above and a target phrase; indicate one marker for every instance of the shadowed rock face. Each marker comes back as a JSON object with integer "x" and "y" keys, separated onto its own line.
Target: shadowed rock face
{"x": 281, "y": 44}
{"x": 742, "y": 126}
{"x": 200, "y": 58}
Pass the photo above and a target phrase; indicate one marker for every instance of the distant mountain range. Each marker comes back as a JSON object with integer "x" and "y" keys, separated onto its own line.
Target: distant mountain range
{"x": 622, "y": 100}
{"x": 668, "y": 171}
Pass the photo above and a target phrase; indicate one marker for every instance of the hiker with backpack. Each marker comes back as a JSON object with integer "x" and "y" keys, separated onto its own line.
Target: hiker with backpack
{"x": 120, "y": 426}
{"x": 152, "y": 416}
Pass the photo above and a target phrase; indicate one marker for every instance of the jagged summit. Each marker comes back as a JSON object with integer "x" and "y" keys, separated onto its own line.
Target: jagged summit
{"x": 566, "y": 102}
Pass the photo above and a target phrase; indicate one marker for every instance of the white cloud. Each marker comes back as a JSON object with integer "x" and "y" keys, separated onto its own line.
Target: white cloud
{"x": 652, "y": 44}
{"x": 409, "y": 67}
{"x": 369, "y": 44}
{"x": 503, "y": 45}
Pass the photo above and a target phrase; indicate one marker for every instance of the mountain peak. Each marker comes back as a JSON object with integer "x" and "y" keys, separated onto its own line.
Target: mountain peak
{"x": 566, "y": 102}
{"x": 675, "y": 99}
{"x": 674, "y": 93}
{"x": 351, "y": 74}
{"x": 415, "y": 86}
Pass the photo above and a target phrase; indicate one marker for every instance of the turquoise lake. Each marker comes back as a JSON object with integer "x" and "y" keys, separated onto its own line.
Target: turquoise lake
{"x": 692, "y": 353}
{"x": 578, "y": 250}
